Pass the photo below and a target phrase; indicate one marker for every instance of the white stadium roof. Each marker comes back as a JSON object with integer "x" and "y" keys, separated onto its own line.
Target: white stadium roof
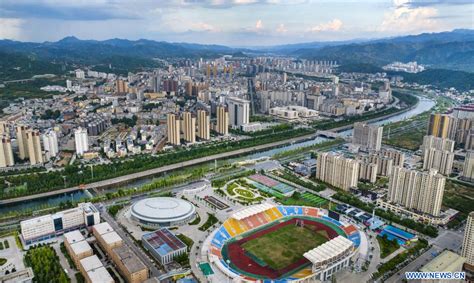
{"x": 251, "y": 211}
{"x": 329, "y": 251}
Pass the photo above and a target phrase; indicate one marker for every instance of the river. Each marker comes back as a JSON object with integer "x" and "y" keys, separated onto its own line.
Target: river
{"x": 423, "y": 105}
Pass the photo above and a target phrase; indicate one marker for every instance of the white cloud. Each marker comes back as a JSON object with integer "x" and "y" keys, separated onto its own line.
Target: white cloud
{"x": 259, "y": 25}
{"x": 404, "y": 19}
{"x": 201, "y": 26}
{"x": 10, "y": 28}
{"x": 333, "y": 25}
{"x": 281, "y": 29}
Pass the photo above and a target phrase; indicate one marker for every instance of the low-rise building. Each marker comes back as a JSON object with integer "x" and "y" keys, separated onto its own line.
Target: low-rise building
{"x": 94, "y": 271}
{"x": 107, "y": 238}
{"x": 129, "y": 265}
{"x": 48, "y": 227}
{"x": 447, "y": 261}
{"x": 163, "y": 245}
{"x": 77, "y": 247}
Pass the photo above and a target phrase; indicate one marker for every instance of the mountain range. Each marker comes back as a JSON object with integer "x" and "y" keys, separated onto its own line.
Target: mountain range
{"x": 452, "y": 50}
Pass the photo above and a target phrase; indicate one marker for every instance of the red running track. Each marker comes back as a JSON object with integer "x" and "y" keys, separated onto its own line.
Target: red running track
{"x": 244, "y": 263}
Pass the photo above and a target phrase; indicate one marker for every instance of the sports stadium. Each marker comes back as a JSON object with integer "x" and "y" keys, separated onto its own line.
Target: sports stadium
{"x": 159, "y": 212}
{"x": 268, "y": 243}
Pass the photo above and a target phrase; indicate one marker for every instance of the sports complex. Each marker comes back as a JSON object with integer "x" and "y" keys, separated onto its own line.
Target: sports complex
{"x": 276, "y": 243}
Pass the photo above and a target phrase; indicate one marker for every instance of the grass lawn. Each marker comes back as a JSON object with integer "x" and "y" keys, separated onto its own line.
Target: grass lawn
{"x": 285, "y": 246}
{"x": 244, "y": 193}
{"x": 387, "y": 247}
{"x": 2, "y": 261}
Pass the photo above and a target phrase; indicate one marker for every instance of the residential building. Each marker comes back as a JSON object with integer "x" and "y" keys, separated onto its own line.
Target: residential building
{"x": 222, "y": 126}
{"x": 189, "y": 127}
{"x": 468, "y": 168}
{"x": 468, "y": 241}
{"x": 416, "y": 190}
{"x": 50, "y": 144}
{"x": 442, "y": 126}
{"x": 21, "y": 141}
{"x": 34, "y": 146}
{"x": 438, "y": 153}
{"x": 204, "y": 122}
{"x": 337, "y": 170}
{"x": 174, "y": 133}
{"x": 239, "y": 111}
{"x": 6, "y": 152}
{"x": 367, "y": 136}
{"x": 368, "y": 172}
{"x": 81, "y": 139}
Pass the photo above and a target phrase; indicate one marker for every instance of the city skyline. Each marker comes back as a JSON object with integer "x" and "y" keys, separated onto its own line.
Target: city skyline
{"x": 233, "y": 23}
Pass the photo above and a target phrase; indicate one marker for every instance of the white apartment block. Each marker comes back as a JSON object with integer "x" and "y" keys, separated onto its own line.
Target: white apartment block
{"x": 239, "y": 111}
{"x": 81, "y": 139}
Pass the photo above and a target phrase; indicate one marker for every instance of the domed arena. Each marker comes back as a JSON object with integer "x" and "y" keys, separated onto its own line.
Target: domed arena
{"x": 162, "y": 212}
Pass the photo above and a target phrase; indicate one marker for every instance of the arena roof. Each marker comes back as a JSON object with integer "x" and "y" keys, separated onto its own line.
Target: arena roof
{"x": 162, "y": 209}
{"x": 329, "y": 251}
{"x": 251, "y": 211}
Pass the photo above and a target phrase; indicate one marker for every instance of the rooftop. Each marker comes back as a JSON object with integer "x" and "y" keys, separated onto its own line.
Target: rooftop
{"x": 111, "y": 237}
{"x": 247, "y": 212}
{"x": 74, "y": 237}
{"x": 163, "y": 241}
{"x": 103, "y": 228}
{"x": 330, "y": 250}
{"x": 162, "y": 209}
{"x": 91, "y": 262}
{"x": 447, "y": 261}
{"x": 129, "y": 259}
{"x": 80, "y": 247}
{"x": 100, "y": 274}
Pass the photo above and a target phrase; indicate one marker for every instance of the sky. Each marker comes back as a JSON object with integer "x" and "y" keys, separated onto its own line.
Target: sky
{"x": 230, "y": 22}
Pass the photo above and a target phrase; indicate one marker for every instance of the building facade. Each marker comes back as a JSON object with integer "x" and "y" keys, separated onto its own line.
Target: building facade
{"x": 34, "y": 146}
{"x": 204, "y": 122}
{"x": 367, "y": 136}
{"x": 174, "y": 132}
{"x": 189, "y": 127}
{"x": 222, "y": 125}
{"x": 81, "y": 139}
{"x": 239, "y": 111}
{"x": 49, "y": 226}
{"x": 337, "y": 171}
{"x": 416, "y": 190}
{"x": 6, "y": 152}
{"x": 468, "y": 241}
{"x": 438, "y": 153}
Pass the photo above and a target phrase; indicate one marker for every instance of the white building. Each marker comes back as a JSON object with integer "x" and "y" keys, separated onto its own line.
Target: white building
{"x": 80, "y": 74}
{"x": 50, "y": 144}
{"x": 47, "y": 227}
{"x": 239, "y": 111}
{"x": 367, "y": 136}
{"x": 82, "y": 140}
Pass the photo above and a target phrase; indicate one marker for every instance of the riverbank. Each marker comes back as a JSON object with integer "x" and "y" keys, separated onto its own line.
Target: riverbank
{"x": 155, "y": 171}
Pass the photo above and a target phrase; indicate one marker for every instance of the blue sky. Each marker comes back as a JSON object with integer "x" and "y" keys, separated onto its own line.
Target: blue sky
{"x": 230, "y": 22}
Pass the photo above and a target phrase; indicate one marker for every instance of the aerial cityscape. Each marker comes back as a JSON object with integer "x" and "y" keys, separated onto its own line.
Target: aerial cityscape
{"x": 236, "y": 141}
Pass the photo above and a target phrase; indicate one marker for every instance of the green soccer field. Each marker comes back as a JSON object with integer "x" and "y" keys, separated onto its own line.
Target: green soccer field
{"x": 282, "y": 247}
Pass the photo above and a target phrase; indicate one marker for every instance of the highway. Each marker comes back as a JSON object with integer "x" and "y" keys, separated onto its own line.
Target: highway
{"x": 155, "y": 171}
